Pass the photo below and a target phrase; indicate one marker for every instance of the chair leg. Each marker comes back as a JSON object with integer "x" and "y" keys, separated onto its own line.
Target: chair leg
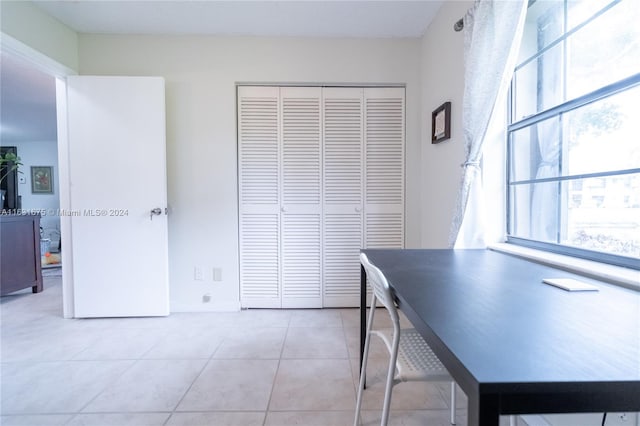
{"x": 365, "y": 358}
{"x": 356, "y": 421}
{"x": 391, "y": 373}
{"x": 453, "y": 403}
{"x": 389, "y": 389}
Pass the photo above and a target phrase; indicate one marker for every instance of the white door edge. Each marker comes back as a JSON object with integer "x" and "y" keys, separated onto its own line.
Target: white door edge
{"x": 65, "y": 199}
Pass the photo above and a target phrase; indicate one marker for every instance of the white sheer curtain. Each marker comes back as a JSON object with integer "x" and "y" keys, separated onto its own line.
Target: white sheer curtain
{"x": 544, "y": 197}
{"x": 492, "y": 34}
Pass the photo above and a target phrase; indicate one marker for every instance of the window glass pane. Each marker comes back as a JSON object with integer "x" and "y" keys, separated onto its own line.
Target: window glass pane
{"x": 603, "y": 136}
{"x": 604, "y": 51}
{"x": 525, "y": 98}
{"x": 538, "y": 84}
{"x": 535, "y": 151}
{"x": 578, "y": 11}
{"x": 603, "y": 214}
{"x": 534, "y": 211}
{"x": 595, "y": 59}
{"x": 543, "y": 25}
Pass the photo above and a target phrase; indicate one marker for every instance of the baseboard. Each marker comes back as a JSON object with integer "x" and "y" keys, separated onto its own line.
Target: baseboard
{"x": 204, "y": 307}
{"x": 533, "y": 420}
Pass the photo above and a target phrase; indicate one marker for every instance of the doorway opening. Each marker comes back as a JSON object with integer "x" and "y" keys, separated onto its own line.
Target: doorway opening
{"x": 28, "y": 130}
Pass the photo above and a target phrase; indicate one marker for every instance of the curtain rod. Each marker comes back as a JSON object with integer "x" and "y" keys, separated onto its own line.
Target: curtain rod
{"x": 459, "y": 25}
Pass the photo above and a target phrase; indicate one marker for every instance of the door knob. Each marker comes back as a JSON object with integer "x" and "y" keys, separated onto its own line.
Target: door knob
{"x": 155, "y": 212}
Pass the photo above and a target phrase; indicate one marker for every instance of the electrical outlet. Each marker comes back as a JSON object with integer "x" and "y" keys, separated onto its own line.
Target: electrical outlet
{"x": 197, "y": 273}
{"x": 217, "y": 274}
{"x": 613, "y": 419}
{"x": 622, "y": 419}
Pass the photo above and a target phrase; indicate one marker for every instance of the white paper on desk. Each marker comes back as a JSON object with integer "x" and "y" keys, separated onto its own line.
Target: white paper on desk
{"x": 570, "y": 284}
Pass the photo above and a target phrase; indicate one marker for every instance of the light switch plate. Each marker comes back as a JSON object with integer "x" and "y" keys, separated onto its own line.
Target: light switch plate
{"x": 197, "y": 273}
{"x": 217, "y": 274}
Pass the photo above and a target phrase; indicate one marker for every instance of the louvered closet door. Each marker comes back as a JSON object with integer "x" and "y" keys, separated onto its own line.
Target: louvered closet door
{"x": 343, "y": 195}
{"x": 301, "y": 217}
{"x": 259, "y": 183}
{"x": 384, "y": 165}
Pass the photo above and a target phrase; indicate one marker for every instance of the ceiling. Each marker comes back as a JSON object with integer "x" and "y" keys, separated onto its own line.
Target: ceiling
{"x": 304, "y": 18}
{"x": 28, "y": 96}
{"x": 27, "y": 102}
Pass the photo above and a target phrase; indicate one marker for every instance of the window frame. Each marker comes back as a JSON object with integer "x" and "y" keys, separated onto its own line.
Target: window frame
{"x": 559, "y": 111}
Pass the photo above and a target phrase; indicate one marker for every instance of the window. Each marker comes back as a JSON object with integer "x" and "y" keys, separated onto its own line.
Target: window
{"x": 574, "y": 131}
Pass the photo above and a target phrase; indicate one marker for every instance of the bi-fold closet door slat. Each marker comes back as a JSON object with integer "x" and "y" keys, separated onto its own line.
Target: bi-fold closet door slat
{"x": 343, "y": 195}
{"x": 259, "y": 196}
{"x": 301, "y": 211}
{"x": 384, "y": 183}
{"x": 321, "y": 173}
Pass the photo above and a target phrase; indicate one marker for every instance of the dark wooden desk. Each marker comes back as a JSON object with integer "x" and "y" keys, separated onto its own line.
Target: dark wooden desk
{"x": 513, "y": 344}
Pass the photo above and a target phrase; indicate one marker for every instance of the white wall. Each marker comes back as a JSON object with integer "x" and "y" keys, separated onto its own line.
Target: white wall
{"x": 40, "y": 153}
{"x": 27, "y": 23}
{"x": 442, "y": 73}
{"x": 201, "y": 73}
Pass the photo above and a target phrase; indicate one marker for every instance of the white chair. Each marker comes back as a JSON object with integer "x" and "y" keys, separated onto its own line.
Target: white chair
{"x": 409, "y": 353}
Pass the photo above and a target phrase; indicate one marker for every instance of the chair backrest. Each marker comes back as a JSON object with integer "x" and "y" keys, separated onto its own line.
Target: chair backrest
{"x": 379, "y": 284}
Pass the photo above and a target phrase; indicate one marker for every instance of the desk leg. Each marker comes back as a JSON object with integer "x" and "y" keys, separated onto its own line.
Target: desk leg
{"x": 483, "y": 410}
{"x": 363, "y": 311}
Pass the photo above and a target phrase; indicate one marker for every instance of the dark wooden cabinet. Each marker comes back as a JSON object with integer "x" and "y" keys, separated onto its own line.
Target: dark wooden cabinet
{"x": 20, "y": 262}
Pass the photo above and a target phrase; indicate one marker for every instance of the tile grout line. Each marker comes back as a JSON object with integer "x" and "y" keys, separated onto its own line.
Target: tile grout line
{"x": 275, "y": 376}
{"x": 110, "y": 383}
{"x": 204, "y": 366}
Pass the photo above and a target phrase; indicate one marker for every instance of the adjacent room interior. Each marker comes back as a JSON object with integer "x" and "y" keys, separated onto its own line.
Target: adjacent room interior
{"x": 193, "y": 182}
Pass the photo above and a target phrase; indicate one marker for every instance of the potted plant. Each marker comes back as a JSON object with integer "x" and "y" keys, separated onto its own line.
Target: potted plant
{"x": 9, "y": 162}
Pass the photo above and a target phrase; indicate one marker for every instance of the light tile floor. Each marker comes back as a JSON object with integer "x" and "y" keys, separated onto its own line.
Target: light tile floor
{"x": 254, "y": 367}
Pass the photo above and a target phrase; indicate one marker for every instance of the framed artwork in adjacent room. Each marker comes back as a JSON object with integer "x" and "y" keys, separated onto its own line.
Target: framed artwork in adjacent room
{"x": 41, "y": 179}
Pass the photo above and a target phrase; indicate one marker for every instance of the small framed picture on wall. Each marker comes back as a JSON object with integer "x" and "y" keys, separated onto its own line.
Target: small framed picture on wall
{"x": 441, "y": 123}
{"x": 41, "y": 179}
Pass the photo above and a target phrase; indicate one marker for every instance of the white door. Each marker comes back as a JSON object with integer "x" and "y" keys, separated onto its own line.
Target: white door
{"x": 321, "y": 175}
{"x": 117, "y": 170}
{"x": 343, "y": 195}
{"x": 301, "y": 205}
{"x": 259, "y": 194}
{"x": 384, "y": 167}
